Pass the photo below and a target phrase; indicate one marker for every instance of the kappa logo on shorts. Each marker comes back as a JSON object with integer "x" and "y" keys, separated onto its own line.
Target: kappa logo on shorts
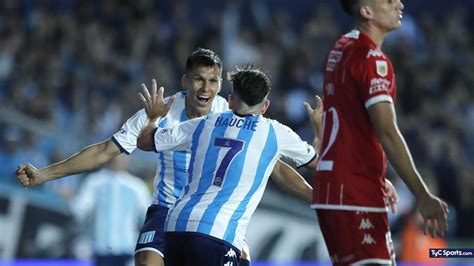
{"x": 365, "y": 224}
{"x": 368, "y": 240}
{"x": 231, "y": 253}
{"x": 146, "y": 237}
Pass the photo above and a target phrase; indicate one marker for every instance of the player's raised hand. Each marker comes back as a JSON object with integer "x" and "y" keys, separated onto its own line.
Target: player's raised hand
{"x": 391, "y": 196}
{"x": 435, "y": 215}
{"x": 28, "y": 175}
{"x": 316, "y": 114}
{"x": 154, "y": 104}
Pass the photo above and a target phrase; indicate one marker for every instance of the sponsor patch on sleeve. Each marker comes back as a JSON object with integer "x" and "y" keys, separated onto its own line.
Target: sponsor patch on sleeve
{"x": 379, "y": 84}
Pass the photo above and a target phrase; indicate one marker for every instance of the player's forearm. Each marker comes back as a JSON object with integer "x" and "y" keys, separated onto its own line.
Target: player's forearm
{"x": 86, "y": 160}
{"x": 399, "y": 155}
{"x": 289, "y": 179}
{"x": 146, "y": 139}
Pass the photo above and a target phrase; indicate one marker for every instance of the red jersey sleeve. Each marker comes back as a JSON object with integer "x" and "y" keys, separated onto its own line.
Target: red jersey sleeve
{"x": 374, "y": 77}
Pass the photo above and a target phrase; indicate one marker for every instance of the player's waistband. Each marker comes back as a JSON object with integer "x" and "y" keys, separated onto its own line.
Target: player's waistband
{"x": 349, "y": 208}
{"x": 161, "y": 203}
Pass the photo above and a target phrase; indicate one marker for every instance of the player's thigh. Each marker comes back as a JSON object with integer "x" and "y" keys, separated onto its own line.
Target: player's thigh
{"x": 151, "y": 244}
{"x": 356, "y": 237}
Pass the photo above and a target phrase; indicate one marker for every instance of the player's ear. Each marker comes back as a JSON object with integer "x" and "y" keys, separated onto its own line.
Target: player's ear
{"x": 366, "y": 12}
{"x": 266, "y": 104}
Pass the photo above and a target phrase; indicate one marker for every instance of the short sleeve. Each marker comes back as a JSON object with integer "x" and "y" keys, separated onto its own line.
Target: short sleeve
{"x": 291, "y": 146}
{"x": 126, "y": 137}
{"x": 177, "y": 138}
{"x": 374, "y": 75}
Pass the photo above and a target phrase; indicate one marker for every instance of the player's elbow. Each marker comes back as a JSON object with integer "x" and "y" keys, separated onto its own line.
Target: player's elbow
{"x": 144, "y": 143}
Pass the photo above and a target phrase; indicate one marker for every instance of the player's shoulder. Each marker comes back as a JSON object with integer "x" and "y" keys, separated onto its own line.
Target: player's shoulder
{"x": 216, "y": 115}
{"x": 220, "y": 104}
{"x": 277, "y": 125}
{"x": 141, "y": 114}
{"x": 178, "y": 106}
{"x": 179, "y": 99}
{"x": 362, "y": 49}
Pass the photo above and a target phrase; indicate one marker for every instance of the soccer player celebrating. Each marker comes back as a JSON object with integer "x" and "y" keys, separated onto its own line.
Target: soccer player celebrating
{"x": 360, "y": 132}
{"x": 202, "y": 82}
{"x": 232, "y": 156}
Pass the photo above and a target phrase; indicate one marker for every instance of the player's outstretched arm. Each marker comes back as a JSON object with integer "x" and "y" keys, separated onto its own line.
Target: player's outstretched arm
{"x": 433, "y": 209}
{"x": 87, "y": 159}
{"x": 289, "y": 179}
{"x": 155, "y": 108}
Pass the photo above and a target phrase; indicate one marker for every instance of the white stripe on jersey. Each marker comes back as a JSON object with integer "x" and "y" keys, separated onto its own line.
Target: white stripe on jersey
{"x": 231, "y": 160}
{"x": 377, "y": 99}
{"x": 118, "y": 203}
{"x": 172, "y": 166}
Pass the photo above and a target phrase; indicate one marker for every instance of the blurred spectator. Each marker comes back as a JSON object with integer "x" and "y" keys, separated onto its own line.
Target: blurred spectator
{"x": 113, "y": 203}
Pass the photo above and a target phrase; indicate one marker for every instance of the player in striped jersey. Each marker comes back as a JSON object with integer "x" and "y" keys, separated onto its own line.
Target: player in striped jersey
{"x": 202, "y": 82}
{"x": 232, "y": 156}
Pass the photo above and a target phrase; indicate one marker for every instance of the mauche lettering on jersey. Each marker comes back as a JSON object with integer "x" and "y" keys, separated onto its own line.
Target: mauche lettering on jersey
{"x": 236, "y": 122}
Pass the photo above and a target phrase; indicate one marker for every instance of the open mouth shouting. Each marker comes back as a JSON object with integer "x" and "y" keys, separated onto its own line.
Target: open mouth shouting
{"x": 202, "y": 100}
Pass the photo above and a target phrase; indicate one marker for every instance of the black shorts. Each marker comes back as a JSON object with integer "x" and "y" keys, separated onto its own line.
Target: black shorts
{"x": 152, "y": 234}
{"x": 195, "y": 249}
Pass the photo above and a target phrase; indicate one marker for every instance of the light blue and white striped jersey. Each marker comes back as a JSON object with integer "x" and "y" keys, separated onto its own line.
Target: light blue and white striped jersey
{"x": 117, "y": 202}
{"x": 172, "y": 166}
{"x": 232, "y": 157}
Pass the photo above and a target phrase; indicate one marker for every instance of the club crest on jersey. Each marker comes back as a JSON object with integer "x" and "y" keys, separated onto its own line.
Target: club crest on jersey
{"x": 382, "y": 67}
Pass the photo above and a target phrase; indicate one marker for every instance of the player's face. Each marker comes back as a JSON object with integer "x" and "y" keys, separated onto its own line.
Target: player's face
{"x": 388, "y": 14}
{"x": 202, "y": 84}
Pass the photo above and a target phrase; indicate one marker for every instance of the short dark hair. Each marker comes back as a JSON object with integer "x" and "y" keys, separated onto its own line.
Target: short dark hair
{"x": 349, "y": 6}
{"x": 202, "y": 57}
{"x": 250, "y": 83}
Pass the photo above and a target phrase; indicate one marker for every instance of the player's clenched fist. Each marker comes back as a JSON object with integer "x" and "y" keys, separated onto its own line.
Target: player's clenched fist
{"x": 28, "y": 175}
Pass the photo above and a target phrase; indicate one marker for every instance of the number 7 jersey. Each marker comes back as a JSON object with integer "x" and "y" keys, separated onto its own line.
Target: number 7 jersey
{"x": 232, "y": 157}
{"x": 352, "y": 167}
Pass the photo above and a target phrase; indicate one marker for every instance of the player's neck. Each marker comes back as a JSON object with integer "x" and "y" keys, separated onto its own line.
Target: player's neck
{"x": 245, "y": 111}
{"x": 374, "y": 33}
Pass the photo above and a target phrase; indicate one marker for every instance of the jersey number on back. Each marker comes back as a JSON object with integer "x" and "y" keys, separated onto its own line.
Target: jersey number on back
{"x": 327, "y": 165}
{"x": 235, "y": 147}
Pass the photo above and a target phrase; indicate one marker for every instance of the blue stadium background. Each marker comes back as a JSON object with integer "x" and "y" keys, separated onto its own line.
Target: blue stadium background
{"x": 70, "y": 70}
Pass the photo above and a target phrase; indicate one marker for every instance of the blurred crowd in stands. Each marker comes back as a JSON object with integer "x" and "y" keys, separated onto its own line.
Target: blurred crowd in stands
{"x": 70, "y": 71}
